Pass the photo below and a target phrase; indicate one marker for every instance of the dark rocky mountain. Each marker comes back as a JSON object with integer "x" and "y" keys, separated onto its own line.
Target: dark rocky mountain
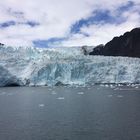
{"x": 125, "y": 45}
{"x": 1, "y": 44}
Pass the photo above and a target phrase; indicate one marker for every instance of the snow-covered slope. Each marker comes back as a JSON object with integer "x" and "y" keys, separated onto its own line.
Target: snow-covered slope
{"x": 32, "y": 66}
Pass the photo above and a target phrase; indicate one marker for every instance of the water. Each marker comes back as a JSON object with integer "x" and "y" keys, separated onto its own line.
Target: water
{"x": 64, "y": 113}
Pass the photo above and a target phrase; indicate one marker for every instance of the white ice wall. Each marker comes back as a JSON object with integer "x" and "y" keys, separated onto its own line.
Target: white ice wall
{"x": 32, "y": 66}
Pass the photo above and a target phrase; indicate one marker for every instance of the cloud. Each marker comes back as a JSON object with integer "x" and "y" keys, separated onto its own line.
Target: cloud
{"x": 7, "y": 24}
{"x": 102, "y": 30}
{"x": 52, "y": 42}
{"x": 13, "y": 23}
{"x": 65, "y": 23}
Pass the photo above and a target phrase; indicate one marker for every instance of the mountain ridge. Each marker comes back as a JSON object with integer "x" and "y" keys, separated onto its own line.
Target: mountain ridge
{"x": 127, "y": 44}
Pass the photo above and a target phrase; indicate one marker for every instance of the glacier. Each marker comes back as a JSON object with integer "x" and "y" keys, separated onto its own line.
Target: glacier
{"x": 29, "y": 66}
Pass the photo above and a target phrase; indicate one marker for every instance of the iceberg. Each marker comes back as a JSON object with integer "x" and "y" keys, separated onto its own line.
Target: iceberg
{"x": 29, "y": 66}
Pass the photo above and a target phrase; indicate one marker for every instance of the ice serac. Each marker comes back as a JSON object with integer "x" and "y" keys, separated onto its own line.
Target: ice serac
{"x": 63, "y": 66}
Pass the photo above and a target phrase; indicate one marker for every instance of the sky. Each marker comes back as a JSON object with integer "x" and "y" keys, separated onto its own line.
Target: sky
{"x": 52, "y": 23}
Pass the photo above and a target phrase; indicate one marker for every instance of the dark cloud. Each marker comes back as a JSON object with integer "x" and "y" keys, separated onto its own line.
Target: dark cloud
{"x": 7, "y": 24}
{"x": 32, "y": 23}
{"x": 14, "y": 13}
{"x": 126, "y": 7}
{"x": 14, "y": 23}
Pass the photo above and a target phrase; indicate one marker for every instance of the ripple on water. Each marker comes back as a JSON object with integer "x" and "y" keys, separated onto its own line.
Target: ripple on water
{"x": 3, "y": 93}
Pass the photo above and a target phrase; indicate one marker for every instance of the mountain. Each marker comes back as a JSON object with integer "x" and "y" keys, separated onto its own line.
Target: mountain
{"x": 125, "y": 45}
{"x": 1, "y": 44}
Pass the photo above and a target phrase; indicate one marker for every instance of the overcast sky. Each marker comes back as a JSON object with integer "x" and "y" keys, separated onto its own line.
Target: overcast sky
{"x": 65, "y": 22}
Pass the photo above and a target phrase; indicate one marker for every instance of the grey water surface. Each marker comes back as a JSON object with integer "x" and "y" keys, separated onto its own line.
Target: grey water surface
{"x": 70, "y": 113}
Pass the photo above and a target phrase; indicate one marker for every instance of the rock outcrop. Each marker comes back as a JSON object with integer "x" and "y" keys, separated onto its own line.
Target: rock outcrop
{"x": 125, "y": 45}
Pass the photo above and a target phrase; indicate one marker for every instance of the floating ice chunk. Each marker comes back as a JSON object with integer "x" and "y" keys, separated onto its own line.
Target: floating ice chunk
{"x": 49, "y": 88}
{"x": 106, "y": 85}
{"x": 119, "y": 85}
{"x": 60, "y": 98}
{"x": 41, "y": 105}
{"x": 133, "y": 85}
{"x": 80, "y": 93}
{"x": 112, "y": 86}
{"x": 120, "y": 96}
{"x": 128, "y": 85}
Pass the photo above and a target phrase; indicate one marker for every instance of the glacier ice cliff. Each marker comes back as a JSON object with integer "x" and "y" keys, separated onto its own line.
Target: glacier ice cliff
{"x": 63, "y": 66}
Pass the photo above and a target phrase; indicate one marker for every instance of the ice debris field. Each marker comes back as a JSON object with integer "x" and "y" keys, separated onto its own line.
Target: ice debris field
{"x": 63, "y": 66}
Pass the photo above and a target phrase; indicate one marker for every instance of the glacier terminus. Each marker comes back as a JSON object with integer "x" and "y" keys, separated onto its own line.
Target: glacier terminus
{"x": 29, "y": 66}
